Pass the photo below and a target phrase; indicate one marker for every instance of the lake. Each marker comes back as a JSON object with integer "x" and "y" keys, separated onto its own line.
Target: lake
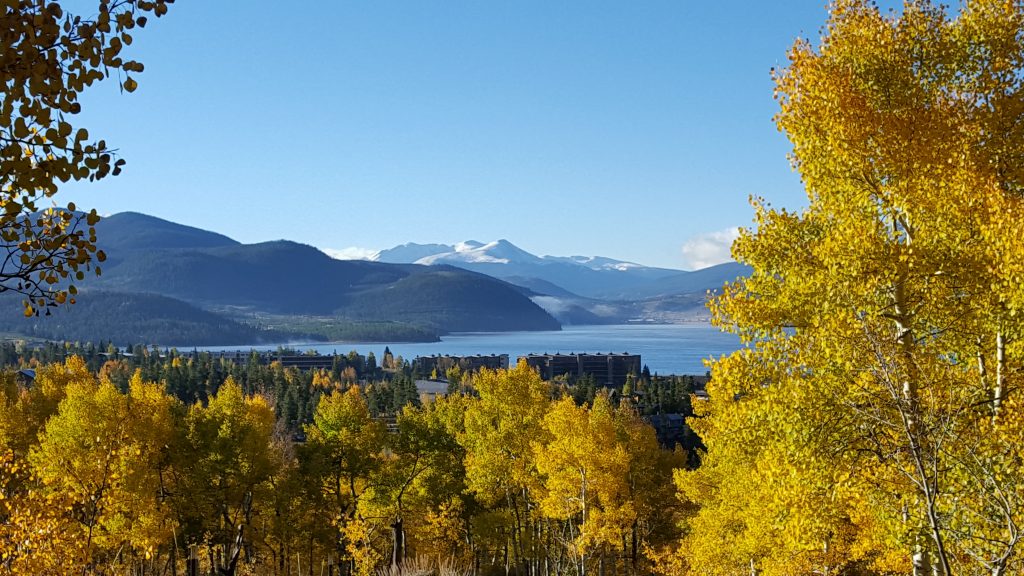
{"x": 664, "y": 348}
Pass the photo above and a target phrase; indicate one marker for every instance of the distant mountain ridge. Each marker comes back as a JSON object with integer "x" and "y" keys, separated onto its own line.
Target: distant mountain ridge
{"x": 184, "y": 284}
{"x": 594, "y": 277}
{"x": 171, "y": 275}
{"x": 498, "y": 252}
{"x": 284, "y": 277}
{"x": 409, "y": 253}
{"x": 597, "y": 262}
{"x": 128, "y": 231}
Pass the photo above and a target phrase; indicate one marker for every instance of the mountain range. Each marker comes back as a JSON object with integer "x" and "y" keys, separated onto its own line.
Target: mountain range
{"x": 498, "y": 252}
{"x": 288, "y": 290}
{"x": 591, "y": 277}
{"x": 580, "y": 289}
{"x": 167, "y": 283}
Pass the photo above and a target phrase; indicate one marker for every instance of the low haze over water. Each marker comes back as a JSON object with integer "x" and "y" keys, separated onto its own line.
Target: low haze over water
{"x": 664, "y": 348}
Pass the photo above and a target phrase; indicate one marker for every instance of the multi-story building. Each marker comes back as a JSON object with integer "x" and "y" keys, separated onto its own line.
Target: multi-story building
{"x": 427, "y": 364}
{"x": 607, "y": 369}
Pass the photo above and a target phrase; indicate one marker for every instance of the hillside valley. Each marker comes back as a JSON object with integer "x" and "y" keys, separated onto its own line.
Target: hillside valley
{"x": 172, "y": 284}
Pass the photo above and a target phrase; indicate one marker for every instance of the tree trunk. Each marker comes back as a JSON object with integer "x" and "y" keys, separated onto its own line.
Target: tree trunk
{"x": 398, "y": 543}
{"x": 910, "y": 413}
{"x": 998, "y": 392}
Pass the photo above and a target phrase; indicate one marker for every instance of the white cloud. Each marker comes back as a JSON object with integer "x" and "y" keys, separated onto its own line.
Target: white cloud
{"x": 708, "y": 249}
{"x": 350, "y": 253}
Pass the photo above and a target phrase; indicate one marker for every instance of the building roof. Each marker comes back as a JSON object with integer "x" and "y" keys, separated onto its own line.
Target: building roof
{"x": 431, "y": 386}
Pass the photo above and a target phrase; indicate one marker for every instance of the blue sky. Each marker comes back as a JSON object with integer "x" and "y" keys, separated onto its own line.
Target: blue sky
{"x": 621, "y": 129}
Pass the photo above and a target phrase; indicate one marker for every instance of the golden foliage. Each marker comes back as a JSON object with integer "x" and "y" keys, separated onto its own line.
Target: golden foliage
{"x": 96, "y": 480}
{"x": 864, "y": 425}
{"x": 50, "y": 57}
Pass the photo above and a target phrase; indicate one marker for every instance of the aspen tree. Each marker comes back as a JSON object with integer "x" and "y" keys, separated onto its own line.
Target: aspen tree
{"x": 51, "y": 56}
{"x": 882, "y": 321}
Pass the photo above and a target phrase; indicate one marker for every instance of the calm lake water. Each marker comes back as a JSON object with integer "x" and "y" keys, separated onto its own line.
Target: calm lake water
{"x": 665, "y": 349}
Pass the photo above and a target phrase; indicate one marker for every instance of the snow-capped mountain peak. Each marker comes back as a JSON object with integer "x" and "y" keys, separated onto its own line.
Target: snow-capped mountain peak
{"x": 410, "y": 252}
{"x": 497, "y": 252}
{"x": 588, "y": 276}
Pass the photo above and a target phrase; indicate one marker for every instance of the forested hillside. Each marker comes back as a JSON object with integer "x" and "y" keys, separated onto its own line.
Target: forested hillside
{"x": 168, "y": 284}
{"x": 287, "y": 278}
{"x": 429, "y": 298}
{"x": 128, "y": 231}
{"x": 136, "y": 317}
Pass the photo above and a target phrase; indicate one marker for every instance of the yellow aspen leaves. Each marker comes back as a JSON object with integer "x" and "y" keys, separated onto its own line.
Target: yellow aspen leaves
{"x": 865, "y": 426}
{"x": 50, "y": 57}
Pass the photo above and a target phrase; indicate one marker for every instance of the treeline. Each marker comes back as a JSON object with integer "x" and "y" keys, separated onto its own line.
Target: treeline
{"x": 388, "y": 384}
{"x": 137, "y": 318}
{"x": 512, "y": 476}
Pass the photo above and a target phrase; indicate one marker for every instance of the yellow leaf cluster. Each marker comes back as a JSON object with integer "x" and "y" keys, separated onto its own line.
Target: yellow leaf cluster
{"x": 50, "y": 57}
{"x": 865, "y": 425}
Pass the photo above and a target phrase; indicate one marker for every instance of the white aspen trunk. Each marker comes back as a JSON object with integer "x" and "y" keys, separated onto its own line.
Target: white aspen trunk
{"x": 997, "y": 393}
{"x": 922, "y": 567}
{"x": 917, "y": 443}
{"x": 826, "y": 569}
{"x": 982, "y": 365}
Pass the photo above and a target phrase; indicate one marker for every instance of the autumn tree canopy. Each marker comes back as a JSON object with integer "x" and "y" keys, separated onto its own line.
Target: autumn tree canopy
{"x": 49, "y": 57}
{"x": 103, "y": 472}
{"x": 872, "y": 422}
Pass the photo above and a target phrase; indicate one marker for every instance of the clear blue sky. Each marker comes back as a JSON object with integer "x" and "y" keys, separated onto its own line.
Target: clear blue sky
{"x": 622, "y": 129}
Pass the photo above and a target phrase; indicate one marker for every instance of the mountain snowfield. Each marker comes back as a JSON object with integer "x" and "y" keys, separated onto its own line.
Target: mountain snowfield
{"x": 597, "y": 262}
{"x": 497, "y": 252}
